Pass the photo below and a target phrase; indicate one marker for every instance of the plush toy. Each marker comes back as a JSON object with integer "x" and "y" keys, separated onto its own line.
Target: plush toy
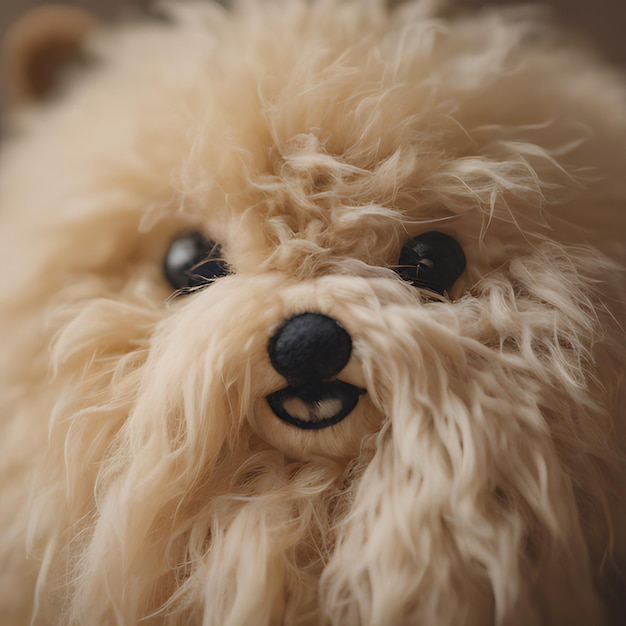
{"x": 312, "y": 313}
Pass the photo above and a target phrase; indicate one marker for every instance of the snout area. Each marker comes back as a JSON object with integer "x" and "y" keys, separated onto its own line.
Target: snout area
{"x": 324, "y": 409}
{"x": 311, "y": 390}
{"x": 309, "y": 350}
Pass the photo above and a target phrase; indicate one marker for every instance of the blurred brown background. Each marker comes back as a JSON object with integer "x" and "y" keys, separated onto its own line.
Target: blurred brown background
{"x": 602, "y": 21}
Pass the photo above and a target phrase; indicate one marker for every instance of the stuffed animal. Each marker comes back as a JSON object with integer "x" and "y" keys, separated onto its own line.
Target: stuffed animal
{"x": 312, "y": 313}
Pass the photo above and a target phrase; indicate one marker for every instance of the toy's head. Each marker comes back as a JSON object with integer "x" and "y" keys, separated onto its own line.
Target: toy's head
{"x": 309, "y": 315}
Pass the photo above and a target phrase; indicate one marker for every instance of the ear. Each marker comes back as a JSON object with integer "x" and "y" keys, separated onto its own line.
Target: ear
{"x": 37, "y": 48}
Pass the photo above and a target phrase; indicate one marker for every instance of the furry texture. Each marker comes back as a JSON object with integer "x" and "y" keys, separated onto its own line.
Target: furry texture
{"x": 479, "y": 480}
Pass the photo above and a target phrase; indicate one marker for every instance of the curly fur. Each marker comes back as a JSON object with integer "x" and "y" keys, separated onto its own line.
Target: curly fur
{"x": 480, "y": 480}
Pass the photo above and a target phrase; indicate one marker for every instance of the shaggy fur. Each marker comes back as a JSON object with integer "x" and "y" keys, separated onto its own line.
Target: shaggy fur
{"x": 480, "y": 480}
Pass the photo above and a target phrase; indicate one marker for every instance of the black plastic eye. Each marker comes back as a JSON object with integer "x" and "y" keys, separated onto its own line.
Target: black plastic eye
{"x": 193, "y": 261}
{"x": 431, "y": 261}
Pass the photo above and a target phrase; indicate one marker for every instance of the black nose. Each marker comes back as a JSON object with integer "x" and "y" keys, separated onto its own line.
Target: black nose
{"x": 309, "y": 347}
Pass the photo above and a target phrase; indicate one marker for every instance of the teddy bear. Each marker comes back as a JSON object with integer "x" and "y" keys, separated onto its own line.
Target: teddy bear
{"x": 311, "y": 312}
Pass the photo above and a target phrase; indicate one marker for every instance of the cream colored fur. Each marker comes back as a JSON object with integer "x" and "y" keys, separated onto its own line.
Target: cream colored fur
{"x": 144, "y": 479}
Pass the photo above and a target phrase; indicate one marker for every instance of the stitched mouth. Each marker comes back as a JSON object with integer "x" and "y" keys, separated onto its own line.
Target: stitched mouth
{"x": 315, "y": 405}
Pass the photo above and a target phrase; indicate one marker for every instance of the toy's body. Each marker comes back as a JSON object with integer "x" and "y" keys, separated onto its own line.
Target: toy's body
{"x": 452, "y": 458}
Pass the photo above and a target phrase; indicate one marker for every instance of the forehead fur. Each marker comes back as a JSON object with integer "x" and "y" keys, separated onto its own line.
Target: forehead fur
{"x": 322, "y": 124}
